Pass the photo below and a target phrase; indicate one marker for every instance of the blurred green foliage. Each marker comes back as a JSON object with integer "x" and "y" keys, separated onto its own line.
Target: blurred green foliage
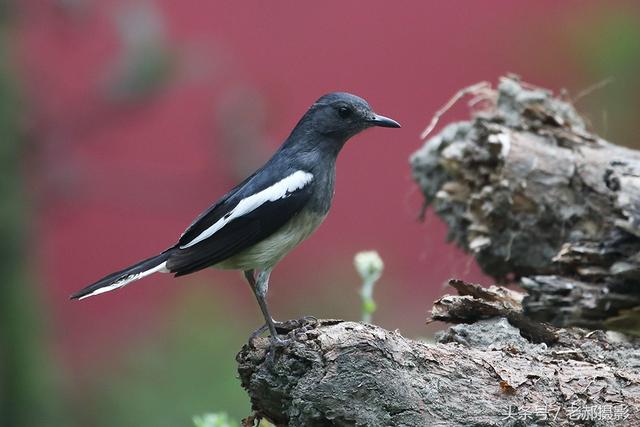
{"x": 141, "y": 74}
{"x": 626, "y": 321}
{"x": 27, "y": 396}
{"x": 6, "y": 11}
{"x": 220, "y": 419}
{"x": 187, "y": 368}
{"x": 607, "y": 45}
{"x": 146, "y": 63}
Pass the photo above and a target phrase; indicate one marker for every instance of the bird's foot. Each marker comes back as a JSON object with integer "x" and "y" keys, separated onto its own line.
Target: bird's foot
{"x": 306, "y": 323}
{"x": 265, "y": 328}
{"x": 279, "y": 342}
{"x": 275, "y": 341}
{"x": 255, "y": 334}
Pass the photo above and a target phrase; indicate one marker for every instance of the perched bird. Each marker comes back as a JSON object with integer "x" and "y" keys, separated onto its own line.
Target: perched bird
{"x": 263, "y": 218}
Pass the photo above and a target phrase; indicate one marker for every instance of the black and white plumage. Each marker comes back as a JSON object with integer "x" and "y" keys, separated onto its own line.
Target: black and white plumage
{"x": 259, "y": 221}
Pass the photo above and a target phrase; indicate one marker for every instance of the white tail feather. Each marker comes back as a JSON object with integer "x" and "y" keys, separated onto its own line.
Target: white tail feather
{"x": 161, "y": 268}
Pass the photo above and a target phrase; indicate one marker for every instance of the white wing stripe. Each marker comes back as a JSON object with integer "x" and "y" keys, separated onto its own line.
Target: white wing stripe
{"x": 279, "y": 190}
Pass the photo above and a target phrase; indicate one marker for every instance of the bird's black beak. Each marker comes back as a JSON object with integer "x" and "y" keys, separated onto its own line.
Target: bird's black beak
{"x": 384, "y": 122}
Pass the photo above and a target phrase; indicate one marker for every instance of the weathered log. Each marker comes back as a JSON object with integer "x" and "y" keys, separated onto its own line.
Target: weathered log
{"x": 338, "y": 373}
{"x": 536, "y": 197}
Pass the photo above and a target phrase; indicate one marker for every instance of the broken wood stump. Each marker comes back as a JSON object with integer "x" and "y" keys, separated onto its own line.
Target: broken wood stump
{"x": 538, "y": 199}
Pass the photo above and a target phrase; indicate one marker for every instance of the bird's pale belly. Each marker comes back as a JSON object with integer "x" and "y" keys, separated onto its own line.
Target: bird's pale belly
{"x": 266, "y": 253}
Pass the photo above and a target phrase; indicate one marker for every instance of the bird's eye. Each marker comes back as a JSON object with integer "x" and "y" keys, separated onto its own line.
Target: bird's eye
{"x": 344, "y": 112}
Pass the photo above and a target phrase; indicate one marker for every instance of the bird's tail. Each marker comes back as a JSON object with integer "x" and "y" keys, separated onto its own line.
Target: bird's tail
{"x": 156, "y": 264}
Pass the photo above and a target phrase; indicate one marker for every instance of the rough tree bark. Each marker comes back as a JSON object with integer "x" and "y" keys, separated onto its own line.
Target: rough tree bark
{"x": 338, "y": 373}
{"x": 537, "y": 199}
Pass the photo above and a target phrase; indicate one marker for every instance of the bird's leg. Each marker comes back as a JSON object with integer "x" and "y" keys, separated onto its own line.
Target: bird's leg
{"x": 251, "y": 278}
{"x": 259, "y": 289}
{"x": 262, "y": 285}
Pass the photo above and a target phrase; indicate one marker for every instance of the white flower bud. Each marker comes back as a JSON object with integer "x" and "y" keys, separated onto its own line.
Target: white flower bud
{"x": 369, "y": 265}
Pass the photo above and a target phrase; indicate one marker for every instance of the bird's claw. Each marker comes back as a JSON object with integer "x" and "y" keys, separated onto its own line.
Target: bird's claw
{"x": 258, "y": 332}
{"x": 305, "y": 323}
{"x": 279, "y": 342}
{"x": 274, "y": 341}
{"x": 255, "y": 334}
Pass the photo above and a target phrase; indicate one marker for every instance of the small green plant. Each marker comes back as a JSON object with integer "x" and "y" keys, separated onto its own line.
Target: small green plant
{"x": 219, "y": 419}
{"x": 369, "y": 266}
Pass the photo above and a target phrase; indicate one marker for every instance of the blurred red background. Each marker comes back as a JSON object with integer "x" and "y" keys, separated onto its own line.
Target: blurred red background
{"x": 142, "y": 113}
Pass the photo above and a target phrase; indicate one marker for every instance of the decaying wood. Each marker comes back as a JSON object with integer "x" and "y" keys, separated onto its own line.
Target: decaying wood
{"x": 474, "y": 303}
{"x": 536, "y": 197}
{"x": 339, "y": 373}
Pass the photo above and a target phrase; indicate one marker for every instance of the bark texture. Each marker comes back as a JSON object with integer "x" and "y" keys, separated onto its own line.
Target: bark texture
{"x": 537, "y": 198}
{"x": 338, "y": 373}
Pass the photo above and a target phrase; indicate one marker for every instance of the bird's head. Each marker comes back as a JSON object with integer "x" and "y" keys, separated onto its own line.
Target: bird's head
{"x": 342, "y": 115}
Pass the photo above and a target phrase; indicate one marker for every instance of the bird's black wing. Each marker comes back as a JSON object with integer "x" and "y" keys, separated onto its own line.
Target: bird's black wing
{"x": 207, "y": 218}
{"x": 238, "y": 233}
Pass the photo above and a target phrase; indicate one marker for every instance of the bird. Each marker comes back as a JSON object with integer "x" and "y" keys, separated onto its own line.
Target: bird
{"x": 254, "y": 225}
